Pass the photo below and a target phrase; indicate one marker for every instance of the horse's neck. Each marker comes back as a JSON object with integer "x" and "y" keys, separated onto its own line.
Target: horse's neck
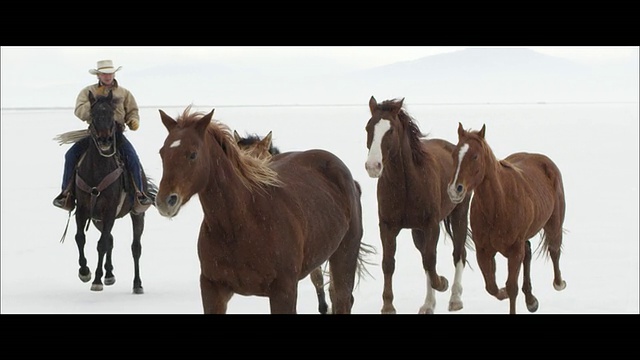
{"x": 224, "y": 195}
{"x": 492, "y": 190}
{"x": 402, "y": 166}
{"x": 92, "y": 157}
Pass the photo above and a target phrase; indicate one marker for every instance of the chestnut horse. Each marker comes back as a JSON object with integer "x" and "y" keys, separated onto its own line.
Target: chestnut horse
{"x": 104, "y": 193}
{"x": 412, "y": 177}
{"x": 266, "y": 225}
{"x": 514, "y": 199}
{"x": 264, "y": 149}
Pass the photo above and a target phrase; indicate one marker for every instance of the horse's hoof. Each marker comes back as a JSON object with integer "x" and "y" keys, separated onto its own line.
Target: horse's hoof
{"x": 444, "y": 284}
{"x": 329, "y": 311}
{"x": 110, "y": 280}
{"x": 502, "y": 294}
{"x": 323, "y": 308}
{"x": 84, "y": 278}
{"x": 388, "y": 310}
{"x": 138, "y": 290}
{"x": 96, "y": 287}
{"x": 532, "y": 306}
{"x": 425, "y": 310}
{"x": 455, "y": 305}
{"x": 560, "y": 287}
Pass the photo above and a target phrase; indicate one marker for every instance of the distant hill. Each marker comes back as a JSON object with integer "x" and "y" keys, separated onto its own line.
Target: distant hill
{"x": 477, "y": 75}
{"x": 494, "y": 75}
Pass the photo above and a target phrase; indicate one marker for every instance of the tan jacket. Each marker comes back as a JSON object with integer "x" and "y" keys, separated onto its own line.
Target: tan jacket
{"x": 126, "y": 111}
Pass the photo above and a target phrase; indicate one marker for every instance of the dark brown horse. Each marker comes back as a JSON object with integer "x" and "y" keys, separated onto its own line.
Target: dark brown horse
{"x": 104, "y": 193}
{"x": 266, "y": 225}
{"x": 412, "y": 177}
{"x": 514, "y": 199}
{"x": 264, "y": 149}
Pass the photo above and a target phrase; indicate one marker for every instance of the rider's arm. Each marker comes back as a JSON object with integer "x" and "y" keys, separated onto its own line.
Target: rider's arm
{"x": 83, "y": 107}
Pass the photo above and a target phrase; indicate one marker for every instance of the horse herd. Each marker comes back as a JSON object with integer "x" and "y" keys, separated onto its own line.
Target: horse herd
{"x": 273, "y": 218}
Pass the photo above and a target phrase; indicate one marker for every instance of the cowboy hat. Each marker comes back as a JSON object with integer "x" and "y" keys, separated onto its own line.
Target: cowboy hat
{"x": 104, "y": 67}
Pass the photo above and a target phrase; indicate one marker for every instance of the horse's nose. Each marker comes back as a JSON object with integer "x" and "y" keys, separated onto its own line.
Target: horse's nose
{"x": 459, "y": 188}
{"x": 373, "y": 166}
{"x": 172, "y": 200}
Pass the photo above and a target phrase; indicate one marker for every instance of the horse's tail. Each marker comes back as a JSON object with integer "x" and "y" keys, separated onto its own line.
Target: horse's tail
{"x": 468, "y": 242}
{"x": 152, "y": 189}
{"x": 447, "y": 226}
{"x": 361, "y": 267}
{"x": 357, "y": 184}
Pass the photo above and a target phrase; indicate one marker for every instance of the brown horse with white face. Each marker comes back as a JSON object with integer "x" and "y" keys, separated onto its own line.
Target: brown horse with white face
{"x": 412, "y": 174}
{"x": 266, "y": 225}
{"x": 514, "y": 199}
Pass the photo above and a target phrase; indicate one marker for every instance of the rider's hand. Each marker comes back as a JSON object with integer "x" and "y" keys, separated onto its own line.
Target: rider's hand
{"x": 134, "y": 124}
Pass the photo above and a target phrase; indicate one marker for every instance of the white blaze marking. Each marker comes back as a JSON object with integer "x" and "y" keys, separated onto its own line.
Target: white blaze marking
{"x": 461, "y": 154}
{"x": 375, "y": 152}
{"x": 175, "y": 144}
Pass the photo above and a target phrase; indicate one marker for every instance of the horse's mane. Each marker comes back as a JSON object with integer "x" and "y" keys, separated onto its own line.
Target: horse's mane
{"x": 489, "y": 152}
{"x": 411, "y": 127}
{"x": 253, "y": 172}
{"x": 484, "y": 145}
{"x": 251, "y": 139}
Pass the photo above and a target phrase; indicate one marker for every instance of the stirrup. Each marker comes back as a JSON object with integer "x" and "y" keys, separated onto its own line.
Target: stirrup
{"x": 65, "y": 201}
{"x": 143, "y": 199}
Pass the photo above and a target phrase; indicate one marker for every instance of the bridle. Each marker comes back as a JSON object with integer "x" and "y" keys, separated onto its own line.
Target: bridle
{"x": 94, "y": 136}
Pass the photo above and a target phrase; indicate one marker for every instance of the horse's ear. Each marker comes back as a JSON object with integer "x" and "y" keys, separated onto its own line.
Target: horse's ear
{"x": 373, "y": 104}
{"x": 168, "y": 122}
{"x": 203, "y": 123}
{"x": 400, "y": 102}
{"x": 481, "y": 132}
{"x": 110, "y": 96}
{"x": 460, "y": 130}
{"x": 236, "y": 136}
{"x": 267, "y": 139}
{"x": 92, "y": 99}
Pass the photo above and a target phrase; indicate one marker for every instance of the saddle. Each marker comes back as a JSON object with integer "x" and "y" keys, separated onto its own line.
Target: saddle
{"x": 122, "y": 173}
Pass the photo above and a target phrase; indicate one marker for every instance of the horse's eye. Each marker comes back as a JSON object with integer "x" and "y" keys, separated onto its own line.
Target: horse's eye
{"x": 474, "y": 157}
{"x": 193, "y": 155}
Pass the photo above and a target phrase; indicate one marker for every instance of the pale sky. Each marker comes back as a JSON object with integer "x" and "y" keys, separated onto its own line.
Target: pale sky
{"x": 31, "y": 72}
{"x": 356, "y": 56}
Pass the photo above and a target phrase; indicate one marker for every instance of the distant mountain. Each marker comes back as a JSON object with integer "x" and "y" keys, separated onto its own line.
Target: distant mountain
{"x": 477, "y": 75}
{"x": 495, "y": 75}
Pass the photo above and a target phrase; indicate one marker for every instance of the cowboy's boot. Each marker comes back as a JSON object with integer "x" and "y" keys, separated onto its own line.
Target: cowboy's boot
{"x": 65, "y": 200}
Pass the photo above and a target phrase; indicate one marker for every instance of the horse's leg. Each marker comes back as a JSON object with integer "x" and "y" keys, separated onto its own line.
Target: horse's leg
{"x": 109, "y": 278}
{"x": 527, "y": 289}
{"x": 104, "y": 245}
{"x": 419, "y": 240}
{"x": 318, "y": 282}
{"x": 136, "y": 250}
{"x": 515, "y": 258}
{"x": 553, "y": 240}
{"x": 283, "y": 296}
{"x": 459, "y": 228}
{"x": 214, "y": 296}
{"x": 487, "y": 264}
{"x": 426, "y": 241}
{"x": 84, "y": 273}
{"x": 388, "y": 237}
{"x": 343, "y": 265}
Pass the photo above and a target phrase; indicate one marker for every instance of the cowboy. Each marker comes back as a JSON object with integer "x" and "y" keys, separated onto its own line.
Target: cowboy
{"x": 126, "y": 113}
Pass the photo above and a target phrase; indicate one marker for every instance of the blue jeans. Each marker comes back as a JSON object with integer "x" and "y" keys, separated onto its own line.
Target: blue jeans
{"x": 127, "y": 152}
